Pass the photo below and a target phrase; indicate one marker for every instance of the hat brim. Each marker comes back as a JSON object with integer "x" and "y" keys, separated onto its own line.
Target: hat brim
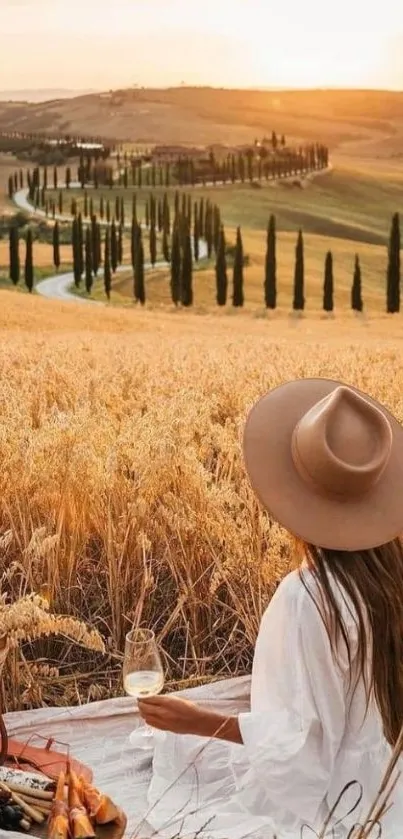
{"x": 338, "y": 524}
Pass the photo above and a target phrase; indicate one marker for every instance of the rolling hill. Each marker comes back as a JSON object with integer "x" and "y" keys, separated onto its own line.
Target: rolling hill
{"x": 207, "y": 115}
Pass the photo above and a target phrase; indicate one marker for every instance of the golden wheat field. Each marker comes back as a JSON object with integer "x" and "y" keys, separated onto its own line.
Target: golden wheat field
{"x": 122, "y": 491}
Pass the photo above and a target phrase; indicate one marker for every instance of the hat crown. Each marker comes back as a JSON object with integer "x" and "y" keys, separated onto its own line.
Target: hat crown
{"x": 342, "y": 445}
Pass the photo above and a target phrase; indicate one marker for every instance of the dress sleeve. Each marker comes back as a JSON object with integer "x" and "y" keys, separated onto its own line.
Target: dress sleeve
{"x": 293, "y": 732}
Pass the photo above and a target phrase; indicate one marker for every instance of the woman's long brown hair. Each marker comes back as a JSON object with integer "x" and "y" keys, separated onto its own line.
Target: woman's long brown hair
{"x": 372, "y": 581}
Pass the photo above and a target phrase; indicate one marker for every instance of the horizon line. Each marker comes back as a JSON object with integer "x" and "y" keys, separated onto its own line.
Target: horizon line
{"x": 183, "y": 86}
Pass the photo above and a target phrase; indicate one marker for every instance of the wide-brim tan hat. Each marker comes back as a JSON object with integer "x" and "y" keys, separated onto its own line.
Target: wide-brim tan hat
{"x": 326, "y": 462}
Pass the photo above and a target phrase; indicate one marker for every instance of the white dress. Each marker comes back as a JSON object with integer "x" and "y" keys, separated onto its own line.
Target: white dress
{"x": 305, "y": 738}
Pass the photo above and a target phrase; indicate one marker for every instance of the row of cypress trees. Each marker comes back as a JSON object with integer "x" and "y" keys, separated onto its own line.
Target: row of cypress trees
{"x": 270, "y": 283}
{"x": 204, "y": 215}
{"x": 185, "y": 170}
{"x": 14, "y": 259}
{"x": 87, "y": 258}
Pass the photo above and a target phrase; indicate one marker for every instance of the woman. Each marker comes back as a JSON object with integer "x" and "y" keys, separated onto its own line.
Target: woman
{"x": 326, "y": 461}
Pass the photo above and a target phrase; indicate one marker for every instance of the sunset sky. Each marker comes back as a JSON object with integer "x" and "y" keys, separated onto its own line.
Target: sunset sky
{"x": 108, "y": 43}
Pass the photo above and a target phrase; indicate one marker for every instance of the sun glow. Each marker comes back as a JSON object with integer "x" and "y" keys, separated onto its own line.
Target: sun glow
{"x": 233, "y": 43}
{"x": 317, "y": 59}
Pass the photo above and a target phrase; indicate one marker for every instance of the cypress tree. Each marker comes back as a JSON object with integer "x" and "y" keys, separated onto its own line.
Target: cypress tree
{"x": 94, "y": 245}
{"x": 98, "y": 246}
{"x": 14, "y": 255}
{"x": 108, "y": 211}
{"x": 91, "y": 208}
{"x": 167, "y": 175}
{"x": 187, "y": 271}
{"x": 356, "y": 291}
{"x": 10, "y": 187}
{"x": 29, "y": 263}
{"x": 176, "y": 204}
{"x": 55, "y": 177}
{"x": 165, "y": 245}
{"x": 85, "y": 204}
{"x": 45, "y": 177}
{"x": 176, "y": 266}
{"x": 134, "y": 207}
{"x": 153, "y": 245}
{"x": 56, "y": 246}
{"x": 125, "y": 178}
{"x": 107, "y": 265}
{"x": 201, "y": 219}
{"x": 76, "y": 256}
{"x": 160, "y": 216}
{"x": 393, "y": 272}
{"x": 80, "y": 244}
{"x": 139, "y": 287}
{"x": 21, "y": 179}
{"x": 120, "y": 244}
{"x": 299, "y": 299}
{"x": 101, "y": 208}
{"x": 61, "y": 202}
{"x": 139, "y": 177}
{"x": 117, "y": 208}
{"x": 81, "y": 172}
{"x": 249, "y": 158}
{"x": 122, "y": 211}
{"x": 68, "y": 177}
{"x": 73, "y": 207}
{"x": 216, "y": 227}
{"x": 133, "y": 242}
{"x": 88, "y": 261}
{"x": 238, "y": 295}
{"x": 328, "y": 284}
{"x": 166, "y": 220}
{"x": 153, "y": 213}
{"x": 221, "y": 270}
{"x": 196, "y": 233}
{"x": 208, "y": 232}
{"x": 270, "y": 286}
{"x": 114, "y": 247}
{"x": 147, "y": 215}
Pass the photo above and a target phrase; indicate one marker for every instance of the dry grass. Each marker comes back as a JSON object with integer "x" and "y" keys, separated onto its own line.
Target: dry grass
{"x": 43, "y": 254}
{"x": 122, "y": 489}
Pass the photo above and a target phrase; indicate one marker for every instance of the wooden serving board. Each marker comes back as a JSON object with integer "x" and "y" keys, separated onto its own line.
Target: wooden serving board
{"x": 113, "y": 830}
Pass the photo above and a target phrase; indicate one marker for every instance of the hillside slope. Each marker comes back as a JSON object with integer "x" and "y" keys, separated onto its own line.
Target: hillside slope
{"x": 206, "y": 115}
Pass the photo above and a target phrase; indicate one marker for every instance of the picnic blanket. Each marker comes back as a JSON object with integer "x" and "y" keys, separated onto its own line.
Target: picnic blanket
{"x": 98, "y": 734}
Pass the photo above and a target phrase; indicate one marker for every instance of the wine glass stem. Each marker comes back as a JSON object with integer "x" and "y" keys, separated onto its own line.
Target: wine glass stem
{"x": 147, "y": 731}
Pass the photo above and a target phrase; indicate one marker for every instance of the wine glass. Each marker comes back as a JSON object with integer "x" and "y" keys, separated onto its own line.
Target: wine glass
{"x": 143, "y": 673}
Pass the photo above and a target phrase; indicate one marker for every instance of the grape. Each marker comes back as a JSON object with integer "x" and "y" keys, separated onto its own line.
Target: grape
{"x": 11, "y": 818}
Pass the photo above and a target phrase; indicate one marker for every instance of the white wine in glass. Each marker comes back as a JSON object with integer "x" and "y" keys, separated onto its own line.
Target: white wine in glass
{"x": 143, "y": 673}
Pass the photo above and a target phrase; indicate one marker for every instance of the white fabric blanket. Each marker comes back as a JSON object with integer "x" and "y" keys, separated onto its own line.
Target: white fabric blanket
{"x": 98, "y": 734}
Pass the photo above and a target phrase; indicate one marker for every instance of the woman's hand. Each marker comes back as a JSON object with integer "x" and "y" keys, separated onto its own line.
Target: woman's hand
{"x": 171, "y": 713}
